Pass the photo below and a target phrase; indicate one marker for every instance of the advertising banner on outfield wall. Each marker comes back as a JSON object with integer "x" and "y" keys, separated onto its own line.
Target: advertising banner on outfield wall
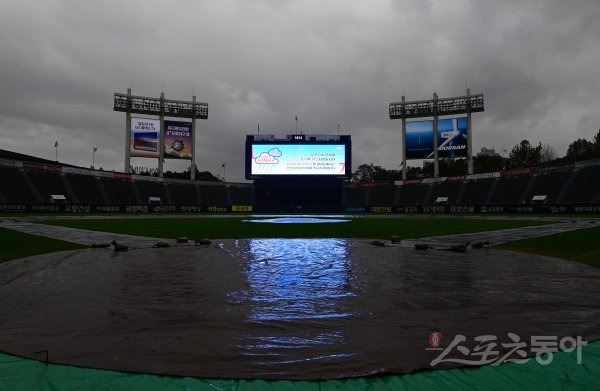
{"x": 145, "y": 137}
{"x": 452, "y": 138}
{"x": 178, "y": 140}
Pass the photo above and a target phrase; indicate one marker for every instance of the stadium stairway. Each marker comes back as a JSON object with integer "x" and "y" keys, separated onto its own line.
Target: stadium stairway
{"x": 492, "y": 191}
{"x": 168, "y": 195}
{"x": 368, "y": 196}
{"x": 427, "y": 200}
{"x": 102, "y": 190}
{"x": 31, "y": 186}
{"x": 136, "y": 193}
{"x": 199, "y": 197}
{"x": 597, "y": 197}
{"x": 526, "y": 193}
{"x": 566, "y": 187}
{"x": 461, "y": 192}
{"x": 67, "y": 185}
{"x": 397, "y": 195}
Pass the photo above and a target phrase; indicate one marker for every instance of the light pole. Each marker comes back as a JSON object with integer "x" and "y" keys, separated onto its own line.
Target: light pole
{"x": 94, "y": 157}
{"x": 56, "y": 150}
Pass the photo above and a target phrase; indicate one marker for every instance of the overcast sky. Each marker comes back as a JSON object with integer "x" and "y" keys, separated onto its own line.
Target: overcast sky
{"x": 327, "y": 62}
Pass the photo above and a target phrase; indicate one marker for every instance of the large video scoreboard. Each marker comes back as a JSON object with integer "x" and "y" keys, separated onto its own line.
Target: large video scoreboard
{"x": 298, "y": 155}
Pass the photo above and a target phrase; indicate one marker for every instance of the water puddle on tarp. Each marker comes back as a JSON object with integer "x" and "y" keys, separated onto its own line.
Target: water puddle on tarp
{"x": 300, "y": 281}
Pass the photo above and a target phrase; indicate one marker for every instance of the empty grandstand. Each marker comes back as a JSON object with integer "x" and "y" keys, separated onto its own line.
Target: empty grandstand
{"x": 584, "y": 186}
{"x": 14, "y": 186}
{"x": 572, "y": 187}
{"x": 477, "y": 191}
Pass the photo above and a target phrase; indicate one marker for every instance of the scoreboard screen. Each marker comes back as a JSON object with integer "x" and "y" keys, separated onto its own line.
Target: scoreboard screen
{"x": 297, "y": 158}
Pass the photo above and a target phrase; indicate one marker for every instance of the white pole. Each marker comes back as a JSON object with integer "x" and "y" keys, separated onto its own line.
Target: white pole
{"x": 128, "y": 133}
{"x": 193, "y": 168}
{"x": 403, "y": 140}
{"x": 436, "y": 162}
{"x": 161, "y": 153}
{"x": 469, "y": 135}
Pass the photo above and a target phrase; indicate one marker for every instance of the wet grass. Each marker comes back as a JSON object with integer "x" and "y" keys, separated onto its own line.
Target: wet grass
{"x": 237, "y": 228}
{"x": 581, "y": 245}
{"x": 14, "y": 244}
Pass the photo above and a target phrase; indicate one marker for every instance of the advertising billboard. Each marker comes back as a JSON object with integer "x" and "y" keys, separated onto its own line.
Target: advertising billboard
{"x": 144, "y": 137}
{"x": 178, "y": 140}
{"x": 298, "y": 159}
{"x": 452, "y": 138}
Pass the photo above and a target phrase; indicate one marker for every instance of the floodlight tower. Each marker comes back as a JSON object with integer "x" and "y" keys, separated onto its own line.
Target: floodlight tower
{"x": 161, "y": 108}
{"x": 435, "y": 108}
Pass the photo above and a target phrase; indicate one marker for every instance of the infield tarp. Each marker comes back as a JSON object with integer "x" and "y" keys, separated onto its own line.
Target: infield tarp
{"x": 302, "y": 309}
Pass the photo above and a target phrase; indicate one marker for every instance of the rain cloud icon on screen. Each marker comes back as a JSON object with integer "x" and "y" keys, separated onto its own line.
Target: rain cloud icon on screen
{"x": 269, "y": 157}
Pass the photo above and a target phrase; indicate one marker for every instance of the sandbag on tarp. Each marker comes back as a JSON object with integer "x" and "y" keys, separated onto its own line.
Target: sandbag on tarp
{"x": 284, "y": 308}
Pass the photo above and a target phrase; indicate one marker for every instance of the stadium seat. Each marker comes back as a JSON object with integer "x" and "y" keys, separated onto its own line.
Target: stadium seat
{"x": 213, "y": 194}
{"x": 151, "y": 189}
{"x": 511, "y": 189}
{"x": 476, "y": 191}
{"x": 242, "y": 195}
{"x": 549, "y": 185}
{"x": 447, "y": 189}
{"x": 183, "y": 194}
{"x": 584, "y": 188}
{"x": 119, "y": 191}
{"x": 49, "y": 183}
{"x": 355, "y": 196}
{"x": 413, "y": 194}
{"x": 382, "y": 195}
{"x": 13, "y": 186}
{"x": 86, "y": 188}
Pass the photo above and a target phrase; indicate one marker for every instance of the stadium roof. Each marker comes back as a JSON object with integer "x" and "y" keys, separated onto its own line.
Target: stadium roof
{"x": 4, "y": 154}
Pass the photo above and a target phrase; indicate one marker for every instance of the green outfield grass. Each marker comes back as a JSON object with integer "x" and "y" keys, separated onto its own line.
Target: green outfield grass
{"x": 14, "y": 244}
{"x": 582, "y": 245}
{"x": 236, "y": 228}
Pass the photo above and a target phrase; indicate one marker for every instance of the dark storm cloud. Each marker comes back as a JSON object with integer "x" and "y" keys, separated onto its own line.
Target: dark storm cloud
{"x": 327, "y": 62}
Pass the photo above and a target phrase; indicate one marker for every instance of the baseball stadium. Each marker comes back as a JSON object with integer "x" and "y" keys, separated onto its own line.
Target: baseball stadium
{"x": 308, "y": 275}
